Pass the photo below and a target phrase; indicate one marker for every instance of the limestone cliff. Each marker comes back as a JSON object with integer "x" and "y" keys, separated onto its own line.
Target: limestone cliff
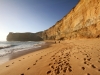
{"x": 83, "y": 21}
{"x": 23, "y": 37}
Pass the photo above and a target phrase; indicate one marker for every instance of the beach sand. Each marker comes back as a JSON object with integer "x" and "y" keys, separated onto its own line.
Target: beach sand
{"x": 70, "y": 57}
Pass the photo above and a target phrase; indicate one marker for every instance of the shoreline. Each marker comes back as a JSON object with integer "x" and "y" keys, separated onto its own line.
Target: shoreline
{"x": 15, "y": 55}
{"x": 21, "y": 53}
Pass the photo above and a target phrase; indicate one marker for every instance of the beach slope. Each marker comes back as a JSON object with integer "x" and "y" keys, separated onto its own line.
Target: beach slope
{"x": 70, "y": 57}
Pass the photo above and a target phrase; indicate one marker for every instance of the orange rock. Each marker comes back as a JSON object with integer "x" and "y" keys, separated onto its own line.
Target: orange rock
{"x": 83, "y": 21}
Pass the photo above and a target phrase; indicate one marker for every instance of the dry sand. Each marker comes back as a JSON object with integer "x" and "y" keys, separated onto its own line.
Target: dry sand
{"x": 70, "y": 57}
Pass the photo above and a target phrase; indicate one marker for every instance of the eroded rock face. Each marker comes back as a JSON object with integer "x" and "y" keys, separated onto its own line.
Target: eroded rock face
{"x": 83, "y": 21}
{"x": 23, "y": 37}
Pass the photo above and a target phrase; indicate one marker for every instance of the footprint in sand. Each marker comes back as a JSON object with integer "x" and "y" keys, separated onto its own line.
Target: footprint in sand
{"x": 85, "y": 62}
{"x": 89, "y": 59}
{"x": 57, "y": 71}
{"x": 84, "y": 58}
{"x": 34, "y": 64}
{"x": 54, "y": 63}
{"x": 28, "y": 68}
{"x": 49, "y": 72}
{"x": 83, "y": 68}
{"x": 13, "y": 63}
{"x": 53, "y": 58}
{"x": 69, "y": 69}
{"x": 99, "y": 61}
{"x": 36, "y": 61}
{"x": 52, "y": 67}
{"x": 19, "y": 60}
{"x": 22, "y": 74}
{"x": 93, "y": 66}
{"x": 8, "y": 66}
{"x": 70, "y": 66}
{"x": 98, "y": 69}
{"x": 41, "y": 57}
{"x": 88, "y": 74}
{"x": 65, "y": 69}
{"x": 50, "y": 64}
{"x": 64, "y": 57}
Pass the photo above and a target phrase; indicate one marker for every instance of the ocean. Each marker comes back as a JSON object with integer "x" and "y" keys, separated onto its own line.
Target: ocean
{"x": 8, "y": 47}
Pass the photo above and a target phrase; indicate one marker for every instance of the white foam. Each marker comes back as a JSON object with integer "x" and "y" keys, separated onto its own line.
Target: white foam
{"x": 18, "y": 46}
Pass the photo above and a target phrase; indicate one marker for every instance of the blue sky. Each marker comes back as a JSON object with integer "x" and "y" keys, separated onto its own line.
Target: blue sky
{"x": 31, "y": 15}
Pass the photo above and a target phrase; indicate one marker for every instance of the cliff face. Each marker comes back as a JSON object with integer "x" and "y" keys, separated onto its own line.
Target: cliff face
{"x": 83, "y": 21}
{"x": 23, "y": 37}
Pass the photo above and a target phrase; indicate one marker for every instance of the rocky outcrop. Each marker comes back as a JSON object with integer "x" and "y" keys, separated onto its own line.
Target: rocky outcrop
{"x": 39, "y": 34}
{"x": 23, "y": 37}
{"x": 83, "y": 21}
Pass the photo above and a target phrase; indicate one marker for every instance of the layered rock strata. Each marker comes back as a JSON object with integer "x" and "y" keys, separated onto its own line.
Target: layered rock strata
{"x": 83, "y": 21}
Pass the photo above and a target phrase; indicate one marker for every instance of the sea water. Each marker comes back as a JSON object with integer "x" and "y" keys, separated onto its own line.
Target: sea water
{"x": 8, "y": 47}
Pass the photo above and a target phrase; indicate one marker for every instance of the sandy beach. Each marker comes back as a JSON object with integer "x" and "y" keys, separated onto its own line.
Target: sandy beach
{"x": 69, "y": 57}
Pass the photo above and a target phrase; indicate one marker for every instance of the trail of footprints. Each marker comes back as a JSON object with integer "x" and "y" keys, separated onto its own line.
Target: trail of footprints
{"x": 87, "y": 60}
{"x": 35, "y": 61}
{"x": 60, "y": 64}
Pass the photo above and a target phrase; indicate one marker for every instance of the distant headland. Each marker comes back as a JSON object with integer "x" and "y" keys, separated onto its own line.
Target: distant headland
{"x": 28, "y": 36}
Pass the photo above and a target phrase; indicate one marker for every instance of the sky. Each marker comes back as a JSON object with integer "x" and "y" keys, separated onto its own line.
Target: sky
{"x": 31, "y": 15}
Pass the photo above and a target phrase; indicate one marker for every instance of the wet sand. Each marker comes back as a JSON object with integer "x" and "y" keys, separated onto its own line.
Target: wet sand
{"x": 70, "y": 57}
{"x": 12, "y": 55}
